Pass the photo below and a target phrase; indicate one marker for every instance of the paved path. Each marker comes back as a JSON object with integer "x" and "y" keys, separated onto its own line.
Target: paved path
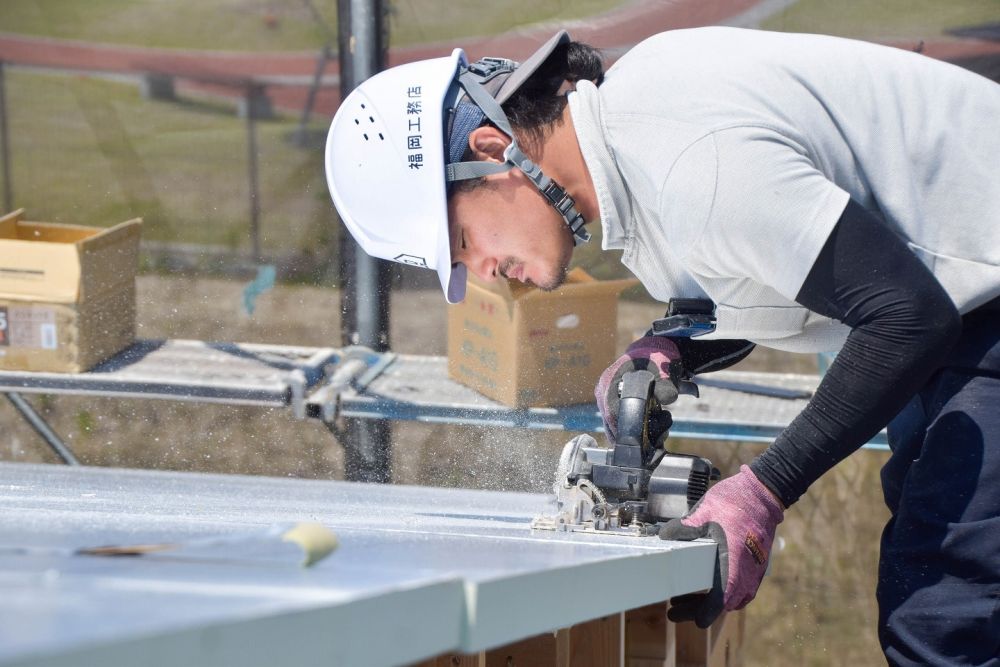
{"x": 287, "y": 75}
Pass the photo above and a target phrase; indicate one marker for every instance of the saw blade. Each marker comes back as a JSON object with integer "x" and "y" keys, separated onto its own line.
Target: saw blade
{"x": 572, "y": 461}
{"x": 592, "y": 490}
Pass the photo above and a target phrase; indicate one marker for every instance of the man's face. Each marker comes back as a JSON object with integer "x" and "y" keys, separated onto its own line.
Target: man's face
{"x": 505, "y": 228}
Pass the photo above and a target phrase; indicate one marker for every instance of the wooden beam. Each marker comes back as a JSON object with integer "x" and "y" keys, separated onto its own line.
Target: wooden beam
{"x": 539, "y": 651}
{"x": 726, "y": 641}
{"x": 692, "y": 644}
{"x": 638, "y": 638}
{"x": 718, "y": 646}
{"x": 649, "y": 639}
{"x": 470, "y": 660}
{"x": 598, "y": 643}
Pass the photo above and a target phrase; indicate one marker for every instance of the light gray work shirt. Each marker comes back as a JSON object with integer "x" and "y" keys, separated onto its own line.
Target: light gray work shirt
{"x": 723, "y": 158}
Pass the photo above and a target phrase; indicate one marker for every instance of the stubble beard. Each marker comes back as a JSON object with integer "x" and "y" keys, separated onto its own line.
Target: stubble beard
{"x": 556, "y": 277}
{"x": 556, "y": 280}
{"x": 559, "y": 272}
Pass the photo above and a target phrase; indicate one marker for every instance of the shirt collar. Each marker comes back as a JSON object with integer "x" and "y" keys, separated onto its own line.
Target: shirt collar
{"x": 612, "y": 196}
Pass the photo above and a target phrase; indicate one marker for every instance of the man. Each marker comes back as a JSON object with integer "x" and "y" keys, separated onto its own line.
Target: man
{"x": 819, "y": 194}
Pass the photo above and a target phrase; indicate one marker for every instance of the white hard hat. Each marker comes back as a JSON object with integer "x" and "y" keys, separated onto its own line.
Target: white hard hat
{"x": 388, "y": 164}
{"x": 385, "y": 167}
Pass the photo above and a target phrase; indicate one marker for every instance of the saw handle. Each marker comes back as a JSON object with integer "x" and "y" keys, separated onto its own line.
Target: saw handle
{"x": 634, "y": 407}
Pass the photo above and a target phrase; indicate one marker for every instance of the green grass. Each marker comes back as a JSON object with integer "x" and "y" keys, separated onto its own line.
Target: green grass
{"x": 250, "y": 25}
{"x": 92, "y": 151}
{"x": 886, "y": 19}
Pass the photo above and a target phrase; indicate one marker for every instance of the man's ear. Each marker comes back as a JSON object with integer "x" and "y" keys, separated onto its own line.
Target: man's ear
{"x": 488, "y": 143}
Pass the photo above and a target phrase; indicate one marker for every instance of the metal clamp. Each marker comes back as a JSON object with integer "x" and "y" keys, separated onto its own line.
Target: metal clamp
{"x": 356, "y": 367}
{"x": 686, "y": 318}
{"x": 489, "y": 67}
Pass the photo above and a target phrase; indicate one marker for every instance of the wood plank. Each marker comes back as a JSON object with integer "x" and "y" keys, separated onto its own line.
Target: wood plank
{"x": 539, "y": 651}
{"x": 692, "y": 644}
{"x": 455, "y": 660}
{"x": 726, "y": 640}
{"x": 721, "y": 645}
{"x": 562, "y": 648}
{"x": 598, "y": 643}
{"x": 638, "y": 638}
{"x": 649, "y": 638}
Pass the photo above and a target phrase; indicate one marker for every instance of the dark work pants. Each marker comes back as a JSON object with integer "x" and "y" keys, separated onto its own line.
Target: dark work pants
{"x": 939, "y": 573}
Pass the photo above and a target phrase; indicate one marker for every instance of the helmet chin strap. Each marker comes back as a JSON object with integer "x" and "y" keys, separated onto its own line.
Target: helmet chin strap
{"x": 553, "y": 193}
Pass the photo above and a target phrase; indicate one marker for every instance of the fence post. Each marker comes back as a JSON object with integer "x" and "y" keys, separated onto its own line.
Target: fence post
{"x": 252, "y": 90}
{"x": 8, "y": 188}
{"x": 364, "y": 280}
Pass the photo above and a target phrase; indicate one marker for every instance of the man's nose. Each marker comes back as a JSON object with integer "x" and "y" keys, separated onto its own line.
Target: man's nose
{"x": 485, "y": 268}
{"x": 481, "y": 264}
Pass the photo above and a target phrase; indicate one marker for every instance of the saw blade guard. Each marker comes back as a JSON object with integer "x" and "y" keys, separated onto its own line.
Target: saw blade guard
{"x": 634, "y": 484}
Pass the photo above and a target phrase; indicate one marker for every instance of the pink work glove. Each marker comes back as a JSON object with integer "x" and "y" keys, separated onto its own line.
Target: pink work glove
{"x": 741, "y": 515}
{"x": 655, "y": 354}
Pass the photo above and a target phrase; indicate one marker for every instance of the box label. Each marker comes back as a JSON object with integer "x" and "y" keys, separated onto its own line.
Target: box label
{"x": 30, "y": 326}
{"x": 472, "y": 375}
{"x": 573, "y": 354}
{"x": 570, "y": 321}
{"x": 48, "y": 334}
{"x": 477, "y": 328}
{"x": 484, "y": 355}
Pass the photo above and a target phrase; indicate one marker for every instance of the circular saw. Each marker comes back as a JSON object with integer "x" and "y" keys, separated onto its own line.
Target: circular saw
{"x": 634, "y": 484}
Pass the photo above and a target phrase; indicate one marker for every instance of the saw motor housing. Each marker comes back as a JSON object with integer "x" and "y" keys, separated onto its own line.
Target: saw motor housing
{"x": 633, "y": 485}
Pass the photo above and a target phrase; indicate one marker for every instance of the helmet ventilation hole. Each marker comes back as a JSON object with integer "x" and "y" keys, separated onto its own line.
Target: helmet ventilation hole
{"x": 371, "y": 119}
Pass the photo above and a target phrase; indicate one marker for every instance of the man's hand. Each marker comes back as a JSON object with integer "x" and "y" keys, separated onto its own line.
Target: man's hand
{"x": 740, "y": 514}
{"x": 655, "y": 354}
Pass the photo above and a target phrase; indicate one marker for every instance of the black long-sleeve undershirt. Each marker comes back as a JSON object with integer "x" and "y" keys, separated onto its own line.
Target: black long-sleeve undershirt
{"x": 902, "y": 326}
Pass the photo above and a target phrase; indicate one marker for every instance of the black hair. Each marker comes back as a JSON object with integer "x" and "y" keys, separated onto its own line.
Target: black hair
{"x": 540, "y": 101}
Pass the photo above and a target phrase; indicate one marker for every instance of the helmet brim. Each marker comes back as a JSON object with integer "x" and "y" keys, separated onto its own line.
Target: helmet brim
{"x": 453, "y": 276}
{"x": 454, "y": 283}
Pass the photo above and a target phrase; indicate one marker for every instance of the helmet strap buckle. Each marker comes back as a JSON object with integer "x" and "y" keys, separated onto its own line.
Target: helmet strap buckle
{"x": 489, "y": 67}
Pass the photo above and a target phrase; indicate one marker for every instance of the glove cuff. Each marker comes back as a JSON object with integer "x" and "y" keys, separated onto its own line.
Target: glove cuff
{"x": 746, "y": 495}
{"x": 647, "y": 344}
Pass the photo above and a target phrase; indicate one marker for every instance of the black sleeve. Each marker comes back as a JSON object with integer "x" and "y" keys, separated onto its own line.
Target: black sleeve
{"x": 902, "y": 325}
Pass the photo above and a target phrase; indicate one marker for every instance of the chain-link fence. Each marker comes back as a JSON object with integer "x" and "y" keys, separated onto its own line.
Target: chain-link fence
{"x": 90, "y": 148}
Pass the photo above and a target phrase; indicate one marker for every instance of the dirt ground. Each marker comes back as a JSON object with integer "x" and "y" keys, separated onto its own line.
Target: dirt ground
{"x": 816, "y": 608}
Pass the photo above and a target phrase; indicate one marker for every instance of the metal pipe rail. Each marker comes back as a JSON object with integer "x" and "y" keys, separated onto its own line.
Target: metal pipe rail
{"x": 734, "y": 405}
{"x": 187, "y": 370}
{"x": 332, "y": 384}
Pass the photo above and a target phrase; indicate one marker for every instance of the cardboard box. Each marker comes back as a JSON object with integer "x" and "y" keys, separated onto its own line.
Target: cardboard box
{"x": 67, "y": 293}
{"x": 527, "y": 348}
